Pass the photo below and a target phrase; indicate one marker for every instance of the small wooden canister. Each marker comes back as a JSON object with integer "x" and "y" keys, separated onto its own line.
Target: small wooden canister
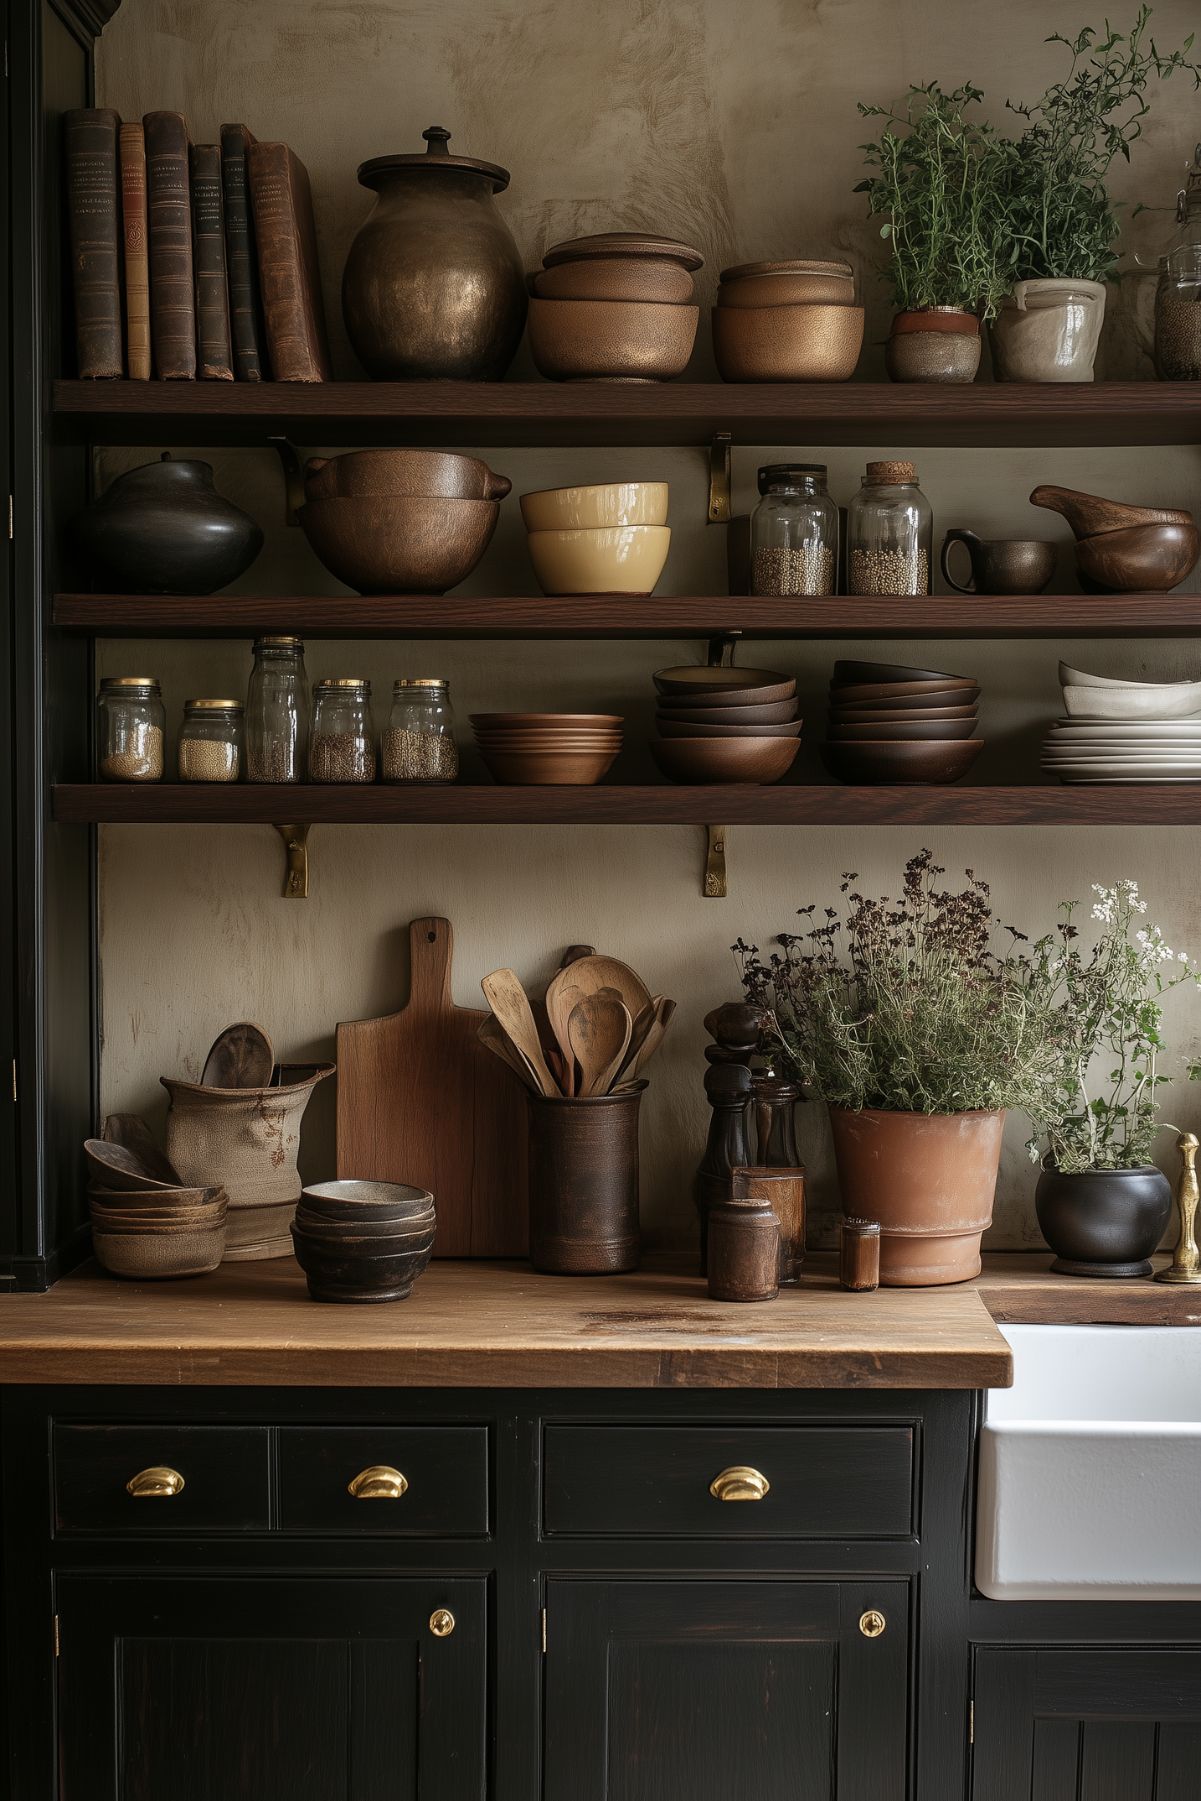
{"x": 744, "y": 1250}
{"x": 584, "y": 1184}
{"x": 784, "y": 1191}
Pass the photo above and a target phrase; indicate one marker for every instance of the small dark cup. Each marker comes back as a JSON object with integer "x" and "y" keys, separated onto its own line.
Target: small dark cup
{"x": 343, "y": 1272}
{"x": 1001, "y": 565}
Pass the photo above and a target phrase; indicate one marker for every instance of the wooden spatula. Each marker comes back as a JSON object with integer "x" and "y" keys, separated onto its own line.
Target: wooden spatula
{"x": 511, "y": 1006}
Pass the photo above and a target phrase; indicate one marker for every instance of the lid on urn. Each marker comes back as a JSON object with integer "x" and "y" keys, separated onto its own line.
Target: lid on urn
{"x": 435, "y": 157}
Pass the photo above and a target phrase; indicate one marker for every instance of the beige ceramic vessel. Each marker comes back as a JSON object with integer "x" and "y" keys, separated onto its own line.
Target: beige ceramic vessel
{"x": 1048, "y": 331}
{"x": 589, "y": 508}
{"x": 787, "y": 343}
{"x": 619, "y": 559}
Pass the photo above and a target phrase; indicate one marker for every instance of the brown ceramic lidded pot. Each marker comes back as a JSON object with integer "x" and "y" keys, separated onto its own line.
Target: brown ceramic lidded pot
{"x": 433, "y": 286}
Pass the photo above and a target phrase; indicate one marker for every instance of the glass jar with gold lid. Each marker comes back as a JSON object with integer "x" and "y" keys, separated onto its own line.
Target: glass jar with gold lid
{"x": 419, "y": 744}
{"x": 210, "y": 741}
{"x": 342, "y": 744}
{"x": 130, "y": 724}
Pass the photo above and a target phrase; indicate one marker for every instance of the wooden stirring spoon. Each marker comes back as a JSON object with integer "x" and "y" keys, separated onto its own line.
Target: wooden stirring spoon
{"x": 663, "y": 1010}
{"x": 497, "y": 1040}
{"x": 588, "y": 975}
{"x": 511, "y": 1006}
{"x": 599, "y": 1030}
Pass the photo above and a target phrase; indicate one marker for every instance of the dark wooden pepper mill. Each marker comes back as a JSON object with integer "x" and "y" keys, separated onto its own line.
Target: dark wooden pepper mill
{"x": 735, "y": 1028}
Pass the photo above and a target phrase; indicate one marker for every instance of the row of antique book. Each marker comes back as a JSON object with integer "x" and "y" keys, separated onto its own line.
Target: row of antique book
{"x": 190, "y": 260}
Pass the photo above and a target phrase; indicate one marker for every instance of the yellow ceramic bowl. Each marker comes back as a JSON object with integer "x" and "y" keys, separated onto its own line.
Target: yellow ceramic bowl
{"x": 618, "y": 559}
{"x": 608, "y": 503}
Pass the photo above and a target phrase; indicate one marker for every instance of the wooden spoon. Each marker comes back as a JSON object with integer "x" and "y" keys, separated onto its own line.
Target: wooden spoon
{"x": 511, "y": 1005}
{"x": 599, "y": 1031}
{"x": 502, "y": 1046}
{"x": 241, "y": 1057}
{"x": 588, "y": 975}
{"x": 663, "y": 1010}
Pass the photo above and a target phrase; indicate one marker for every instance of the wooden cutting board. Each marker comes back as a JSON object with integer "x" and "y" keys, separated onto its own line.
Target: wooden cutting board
{"x": 421, "y": 1100}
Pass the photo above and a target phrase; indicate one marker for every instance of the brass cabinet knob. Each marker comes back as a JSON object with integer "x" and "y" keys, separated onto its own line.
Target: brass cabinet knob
{"x": 442, "y": 1622}
{"x": 872, "y": 1623}
{"x": 739, "y": 1483}
{"x": 378, "y": 1482}
{"x": 159, "y": 1482}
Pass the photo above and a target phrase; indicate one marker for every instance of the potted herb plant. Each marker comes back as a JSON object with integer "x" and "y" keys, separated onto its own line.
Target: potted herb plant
{"x": 918, "y": 1034}
{"x": 1102, "y": 1204}
{"x": 1056, "y": 245}
{"x": 934, "y": 189}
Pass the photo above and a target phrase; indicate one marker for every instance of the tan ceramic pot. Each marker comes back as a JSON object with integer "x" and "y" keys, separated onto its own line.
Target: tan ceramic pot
{"x": 1048, "y": 331}
{"x": 615, "y": 559}
{"x": 929, "y": 1179}
{"x": 787, "y": 343}
{"x": 595, "y": 507}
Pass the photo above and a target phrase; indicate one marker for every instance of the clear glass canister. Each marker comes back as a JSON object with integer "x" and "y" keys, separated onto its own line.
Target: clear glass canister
{"x": 890, "y": 528}
{"x": 210, "y": 741}
{"x": 794, "y": 531}
{"x": 342, "y": 744}
{"x": 130, "y": 724}
{"x": 277, "y": 712}
{"x": 1178, "y": 294}
{"x": 419, "y": 744}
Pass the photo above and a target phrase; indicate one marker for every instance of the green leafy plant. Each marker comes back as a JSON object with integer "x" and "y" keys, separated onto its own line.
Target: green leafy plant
{"x": 1110, "y": 1000}
{"x": 935, "y": 189}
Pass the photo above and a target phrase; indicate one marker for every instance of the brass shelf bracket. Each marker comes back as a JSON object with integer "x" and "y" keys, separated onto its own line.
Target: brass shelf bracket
{"x": 293, "y": 478}
{"x": 719, "y": 478}
{"x": 296, "y": 868}
{"x": 714, "y": 887}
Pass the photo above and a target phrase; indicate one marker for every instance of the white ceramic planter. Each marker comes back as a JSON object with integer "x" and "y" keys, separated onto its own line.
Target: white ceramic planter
{"x": 1048, "y": 331}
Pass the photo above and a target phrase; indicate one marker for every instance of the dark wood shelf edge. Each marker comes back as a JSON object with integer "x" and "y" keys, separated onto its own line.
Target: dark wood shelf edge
{"x": 671, "y": 615}
{"x": 651, "y": 804}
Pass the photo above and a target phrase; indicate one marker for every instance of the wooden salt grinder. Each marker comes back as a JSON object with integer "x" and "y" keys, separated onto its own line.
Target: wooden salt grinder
{"x": 744, "y": 1250}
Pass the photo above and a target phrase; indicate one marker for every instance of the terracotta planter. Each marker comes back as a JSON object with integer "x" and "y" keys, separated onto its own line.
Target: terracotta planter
{"x": 1103, "y": 1222}
{"x": 1048, "y": 331}
{"x": 934, "y": 343}
{"x": 928, "y": 1179}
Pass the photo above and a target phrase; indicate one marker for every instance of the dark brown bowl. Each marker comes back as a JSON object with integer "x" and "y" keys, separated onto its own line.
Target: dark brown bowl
{"x": 714, "y": 685}
{"x": 499, "y": 721}
{"x": 909, "y": 716}
{"x": 848, "y": 693}
{"x": 548, "y": 768}
{"x": 338, "y": 1230}
{"x": 758, "y": 760}
{"x": 898, "y": 761}
{"x": 400, "y": 544}
{"x": 685, "y": 728}
{"x": 341, "y": 1275}
{"x": 114, "y": 1166}
{"x": 353, "y": 1199}
{"x": 780, "y": 712}
{"x": 371, "y": 474}
{"x": 890, "y": 732}
{"x": 849, "y": 673}
{"x": 1154, "y": 558}
{"x": 936, "y": 702}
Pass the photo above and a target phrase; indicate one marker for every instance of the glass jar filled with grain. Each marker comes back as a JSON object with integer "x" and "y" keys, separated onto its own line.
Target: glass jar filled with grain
{"x": 130, "y": 724}
{"x": 210, "y": 741}
{"x": 890, "y": 527}
{"x": 794, "y": 531}
{"x": 277, "y": 712}
{"x": 1178, "y": 295}
{"x": 342, "y": 744}
{"x": 419, "y": 744}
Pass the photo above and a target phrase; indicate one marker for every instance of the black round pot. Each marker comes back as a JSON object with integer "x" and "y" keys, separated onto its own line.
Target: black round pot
{"x": 1103, "y": 1222}
{"x": 164, "y": 529}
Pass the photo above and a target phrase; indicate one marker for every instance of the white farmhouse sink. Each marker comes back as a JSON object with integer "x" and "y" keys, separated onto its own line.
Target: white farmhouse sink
{"x": 1090, "y": 1467}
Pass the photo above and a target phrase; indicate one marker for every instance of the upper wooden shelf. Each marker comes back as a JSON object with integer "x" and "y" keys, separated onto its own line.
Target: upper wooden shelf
{"x": 482, "y": 413}
{"x": 662, "y": 616}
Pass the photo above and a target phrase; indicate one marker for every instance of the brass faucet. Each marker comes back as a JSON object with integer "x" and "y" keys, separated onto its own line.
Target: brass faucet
{"x": 1186, "y": 1263}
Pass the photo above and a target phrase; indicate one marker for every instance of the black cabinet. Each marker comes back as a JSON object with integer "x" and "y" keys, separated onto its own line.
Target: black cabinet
{"x": 780, "y": 1690}
{"x": 262, "y": 1689}
{"x": 1078, "y": 1724}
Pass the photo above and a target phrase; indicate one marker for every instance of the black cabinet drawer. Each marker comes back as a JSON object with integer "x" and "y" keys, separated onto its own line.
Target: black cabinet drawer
{"x": 161, "y": 1478}
{"x": 427, "y": 1481}
{"x": 655, "y": 1481}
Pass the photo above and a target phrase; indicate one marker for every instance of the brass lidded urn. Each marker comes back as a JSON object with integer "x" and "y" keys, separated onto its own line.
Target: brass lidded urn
{"x": 433, "y": 286}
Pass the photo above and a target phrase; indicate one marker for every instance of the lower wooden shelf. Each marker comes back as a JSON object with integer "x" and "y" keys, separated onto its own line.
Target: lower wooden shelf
{"x": 651, "y": 804}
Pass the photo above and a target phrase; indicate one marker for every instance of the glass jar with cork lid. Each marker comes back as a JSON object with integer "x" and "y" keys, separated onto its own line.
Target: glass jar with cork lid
{"x": 210, "y": 741}
{"x": 890, "y": 526}
{"x": 419, "y": 744}
{"x": 794, "y": 531}
{"x": 130, "y": 723}
{"x": 342, "y": 744}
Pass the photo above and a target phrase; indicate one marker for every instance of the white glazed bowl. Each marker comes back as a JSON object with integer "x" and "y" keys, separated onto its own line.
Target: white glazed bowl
{"x": 1165, "y": 700}
{"x": 1080, "y": 678}
{"x": 606, "y": 503}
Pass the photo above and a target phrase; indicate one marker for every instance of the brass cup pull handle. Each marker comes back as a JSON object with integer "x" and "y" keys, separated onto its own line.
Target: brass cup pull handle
{"x": 378, "y": 1482}
{"x": 159, "y": 1482}
{"x": 739, "y": 1483}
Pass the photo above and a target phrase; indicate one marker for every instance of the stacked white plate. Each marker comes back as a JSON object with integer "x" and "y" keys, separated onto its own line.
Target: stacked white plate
{"x": 1115, "y": 731}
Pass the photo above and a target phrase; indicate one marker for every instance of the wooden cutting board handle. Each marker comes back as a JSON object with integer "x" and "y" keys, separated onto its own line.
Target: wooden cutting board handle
{"x": 431, "y": 948}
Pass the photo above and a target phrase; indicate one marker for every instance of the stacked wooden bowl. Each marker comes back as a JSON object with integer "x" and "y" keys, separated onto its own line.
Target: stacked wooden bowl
{"x": 363, "y": 1241}
{"x": 725, "y": 725}
{"x": 890, "y": 723}
{"x": 791, "y": 321}
{"x": 617, "y": 306}
{"x": 604, "y": 539}
{"x": 555, "y": 749}
{"x": 148, "y": 1227}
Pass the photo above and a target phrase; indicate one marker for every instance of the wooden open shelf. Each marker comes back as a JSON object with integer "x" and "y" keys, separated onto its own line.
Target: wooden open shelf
{"x": 609, "y": 804}
{"x": 593, "y": 413}
{"x": 662, "y": 616}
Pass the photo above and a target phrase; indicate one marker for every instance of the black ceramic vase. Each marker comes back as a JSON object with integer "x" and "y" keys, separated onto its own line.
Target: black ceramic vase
{"x": 1103, "y": 1222}
{"x": 164, "y": 529}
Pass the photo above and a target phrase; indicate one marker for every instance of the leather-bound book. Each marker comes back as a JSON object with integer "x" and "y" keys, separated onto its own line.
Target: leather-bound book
{"x": 94, "y": 219}
{"x": 137, "y": 259}
{"x": 214, "y": 356}
{"x": 289, "y": 278}
{"x": 241, "y": 259}
{"x": 169, "y": 207}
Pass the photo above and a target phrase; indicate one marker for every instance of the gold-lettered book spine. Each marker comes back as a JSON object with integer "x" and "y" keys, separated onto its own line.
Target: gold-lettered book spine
{"x": 136, "y": 251}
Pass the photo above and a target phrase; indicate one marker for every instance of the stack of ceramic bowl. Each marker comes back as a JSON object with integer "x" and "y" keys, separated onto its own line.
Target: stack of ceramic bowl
{"x": 1116, "y": 731}
{"x": 401, "y": 521}
{"x": 551, "y": 749}
{"x": 363, "y": 1241}
{"x": 146, "y": 1227}
{"x": 607, "y": 539}
{"x": 794, "y": 321}
{"x": 725, "y": 724}
{"x": 889, "y": 723}
{"x": 614, "y": 307}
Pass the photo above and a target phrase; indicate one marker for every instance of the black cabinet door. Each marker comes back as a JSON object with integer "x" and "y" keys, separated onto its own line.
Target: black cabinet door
{"x": 771, "y": 1690}
{"x": 321, "y": 1689}
{"x": 1079, "y": 1725}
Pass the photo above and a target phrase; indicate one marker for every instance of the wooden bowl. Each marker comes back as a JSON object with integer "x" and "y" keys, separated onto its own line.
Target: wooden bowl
{"x": 595, "y": 506}
{"x": 704, "y": 681}
{"x": 338, "y": 1273}
{"x": 901, "y": 761}
{"x": 847, "y": 693}
{"x": 688, "y": 728}
{"x": 353, "y": 1198}
{"x": 899, "y": 712}
{"x": 400, "y": 544}
{"x": 375, "y": 474}
{"x": 1154, "y": 558}
{"x": 903, "y": 703}
{"x": 758, "y": 760}
{"x": 131, "y": 1131}
{"x": 160, "y": 1256}
{"x": 611, "y": 340}
{"x": 545, "y": 741}
{"x": 653, "y": 278}
{"x": 485, "y": 721}
{"x": 114, "y": 1166}
{"x": 889, "y": 731}
{"x": 602, "y": 560}
{"x": 787, "y": 343}
{"x": 778, "y": 712}
{"x": 848, "y": 673}
{"x": 390, "y": 1233}
{"x": 552, "y": 768}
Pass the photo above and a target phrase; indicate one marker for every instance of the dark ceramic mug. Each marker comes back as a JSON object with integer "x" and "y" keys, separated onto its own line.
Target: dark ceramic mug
{"x": 1001, "y": 565}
